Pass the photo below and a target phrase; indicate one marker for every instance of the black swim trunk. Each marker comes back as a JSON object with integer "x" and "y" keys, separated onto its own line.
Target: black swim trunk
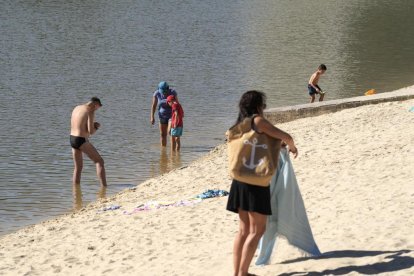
{"x": 312, "y": 90}
{"x": 76, "y": 142}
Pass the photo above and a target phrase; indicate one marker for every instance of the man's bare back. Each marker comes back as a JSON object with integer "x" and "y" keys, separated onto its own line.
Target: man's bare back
{"x": 82, "y": 120}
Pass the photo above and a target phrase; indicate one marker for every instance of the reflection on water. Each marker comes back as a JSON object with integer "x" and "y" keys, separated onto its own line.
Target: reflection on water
{"x": 167, "y": 161}
{"x": 57, "y": 54}
{"x": 102, "y": 192}
{"x": 176, "y": 159}
{"x": 77, "y": 196}
{"x": 164, "y": 161}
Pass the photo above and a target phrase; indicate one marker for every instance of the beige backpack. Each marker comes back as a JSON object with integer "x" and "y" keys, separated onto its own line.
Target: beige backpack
{"x": 253, "y": 156}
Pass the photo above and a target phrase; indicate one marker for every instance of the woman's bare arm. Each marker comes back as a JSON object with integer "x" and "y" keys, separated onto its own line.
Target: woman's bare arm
{"x": 153, "y": 107}
{"x": 263, "y": 125}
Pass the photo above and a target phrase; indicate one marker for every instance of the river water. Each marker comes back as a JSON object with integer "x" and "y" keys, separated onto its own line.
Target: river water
{"x": 57, "y": 54}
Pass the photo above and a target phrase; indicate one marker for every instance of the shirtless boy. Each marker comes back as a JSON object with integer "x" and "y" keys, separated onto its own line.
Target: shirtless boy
{"x": 313, "y": 87}
{"x": 82, "y": 126}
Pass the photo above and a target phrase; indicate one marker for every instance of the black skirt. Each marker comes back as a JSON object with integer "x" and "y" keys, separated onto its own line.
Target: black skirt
{"x": 249, "y": 198}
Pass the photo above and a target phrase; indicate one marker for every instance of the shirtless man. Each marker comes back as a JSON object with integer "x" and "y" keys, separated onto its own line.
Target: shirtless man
{"x": 313, "y": 87}
{"x": 82, "y": 126}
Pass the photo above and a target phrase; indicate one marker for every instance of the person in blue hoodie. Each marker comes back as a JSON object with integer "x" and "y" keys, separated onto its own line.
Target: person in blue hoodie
{"x": 159, "y": 99}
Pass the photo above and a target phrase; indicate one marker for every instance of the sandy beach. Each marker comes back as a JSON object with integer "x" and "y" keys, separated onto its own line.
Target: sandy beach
{"x": 355, "y": 171}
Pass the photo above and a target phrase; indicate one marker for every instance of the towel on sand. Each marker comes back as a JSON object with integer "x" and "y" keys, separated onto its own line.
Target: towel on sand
{"x": 288, "y": 217}
{"x": 212, "y": 193}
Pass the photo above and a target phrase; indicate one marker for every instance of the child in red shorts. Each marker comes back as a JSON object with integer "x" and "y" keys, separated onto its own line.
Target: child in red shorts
{"x": 176, "y": 124}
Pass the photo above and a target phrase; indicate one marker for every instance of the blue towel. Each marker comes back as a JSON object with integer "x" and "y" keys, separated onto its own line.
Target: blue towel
{"x": 212, "y": 193}
{"x": 288, "y": 217}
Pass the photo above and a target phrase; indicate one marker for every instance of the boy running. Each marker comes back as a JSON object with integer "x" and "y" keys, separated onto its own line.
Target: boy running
{"x": 176, "y": 122}
{"x": 313, "y": 87}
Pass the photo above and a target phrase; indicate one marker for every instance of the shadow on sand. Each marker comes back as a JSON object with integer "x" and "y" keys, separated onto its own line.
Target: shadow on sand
{"x": 398, "y": 262}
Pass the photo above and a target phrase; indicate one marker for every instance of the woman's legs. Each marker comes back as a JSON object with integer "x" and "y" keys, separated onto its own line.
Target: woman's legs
{"x": 257, "y": 227}
{"x": 240, "y": 239}
{"x": 163, "y": 134}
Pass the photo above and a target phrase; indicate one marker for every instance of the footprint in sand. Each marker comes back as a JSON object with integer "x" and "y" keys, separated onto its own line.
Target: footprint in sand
{"x": 152, "y": 259}
{"x": 56, "y": 268}
{"x": 72, "y": 260}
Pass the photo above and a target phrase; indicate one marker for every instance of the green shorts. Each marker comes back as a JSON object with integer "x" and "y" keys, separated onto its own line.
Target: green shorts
{"x": 177, "y": 131}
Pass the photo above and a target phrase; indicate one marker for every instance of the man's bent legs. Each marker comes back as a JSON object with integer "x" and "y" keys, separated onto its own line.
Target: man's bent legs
{"x": 78, "y": 162}
{"x": 257, "y": 228}
{"x": 93, "y": 154}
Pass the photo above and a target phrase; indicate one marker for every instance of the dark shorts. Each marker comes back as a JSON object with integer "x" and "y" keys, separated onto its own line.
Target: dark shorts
{"x": 312, "y": 90}
{"x": 164, "y": 121}
{"x": 76, "y": 142}
{"x": 249, "y": 198}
